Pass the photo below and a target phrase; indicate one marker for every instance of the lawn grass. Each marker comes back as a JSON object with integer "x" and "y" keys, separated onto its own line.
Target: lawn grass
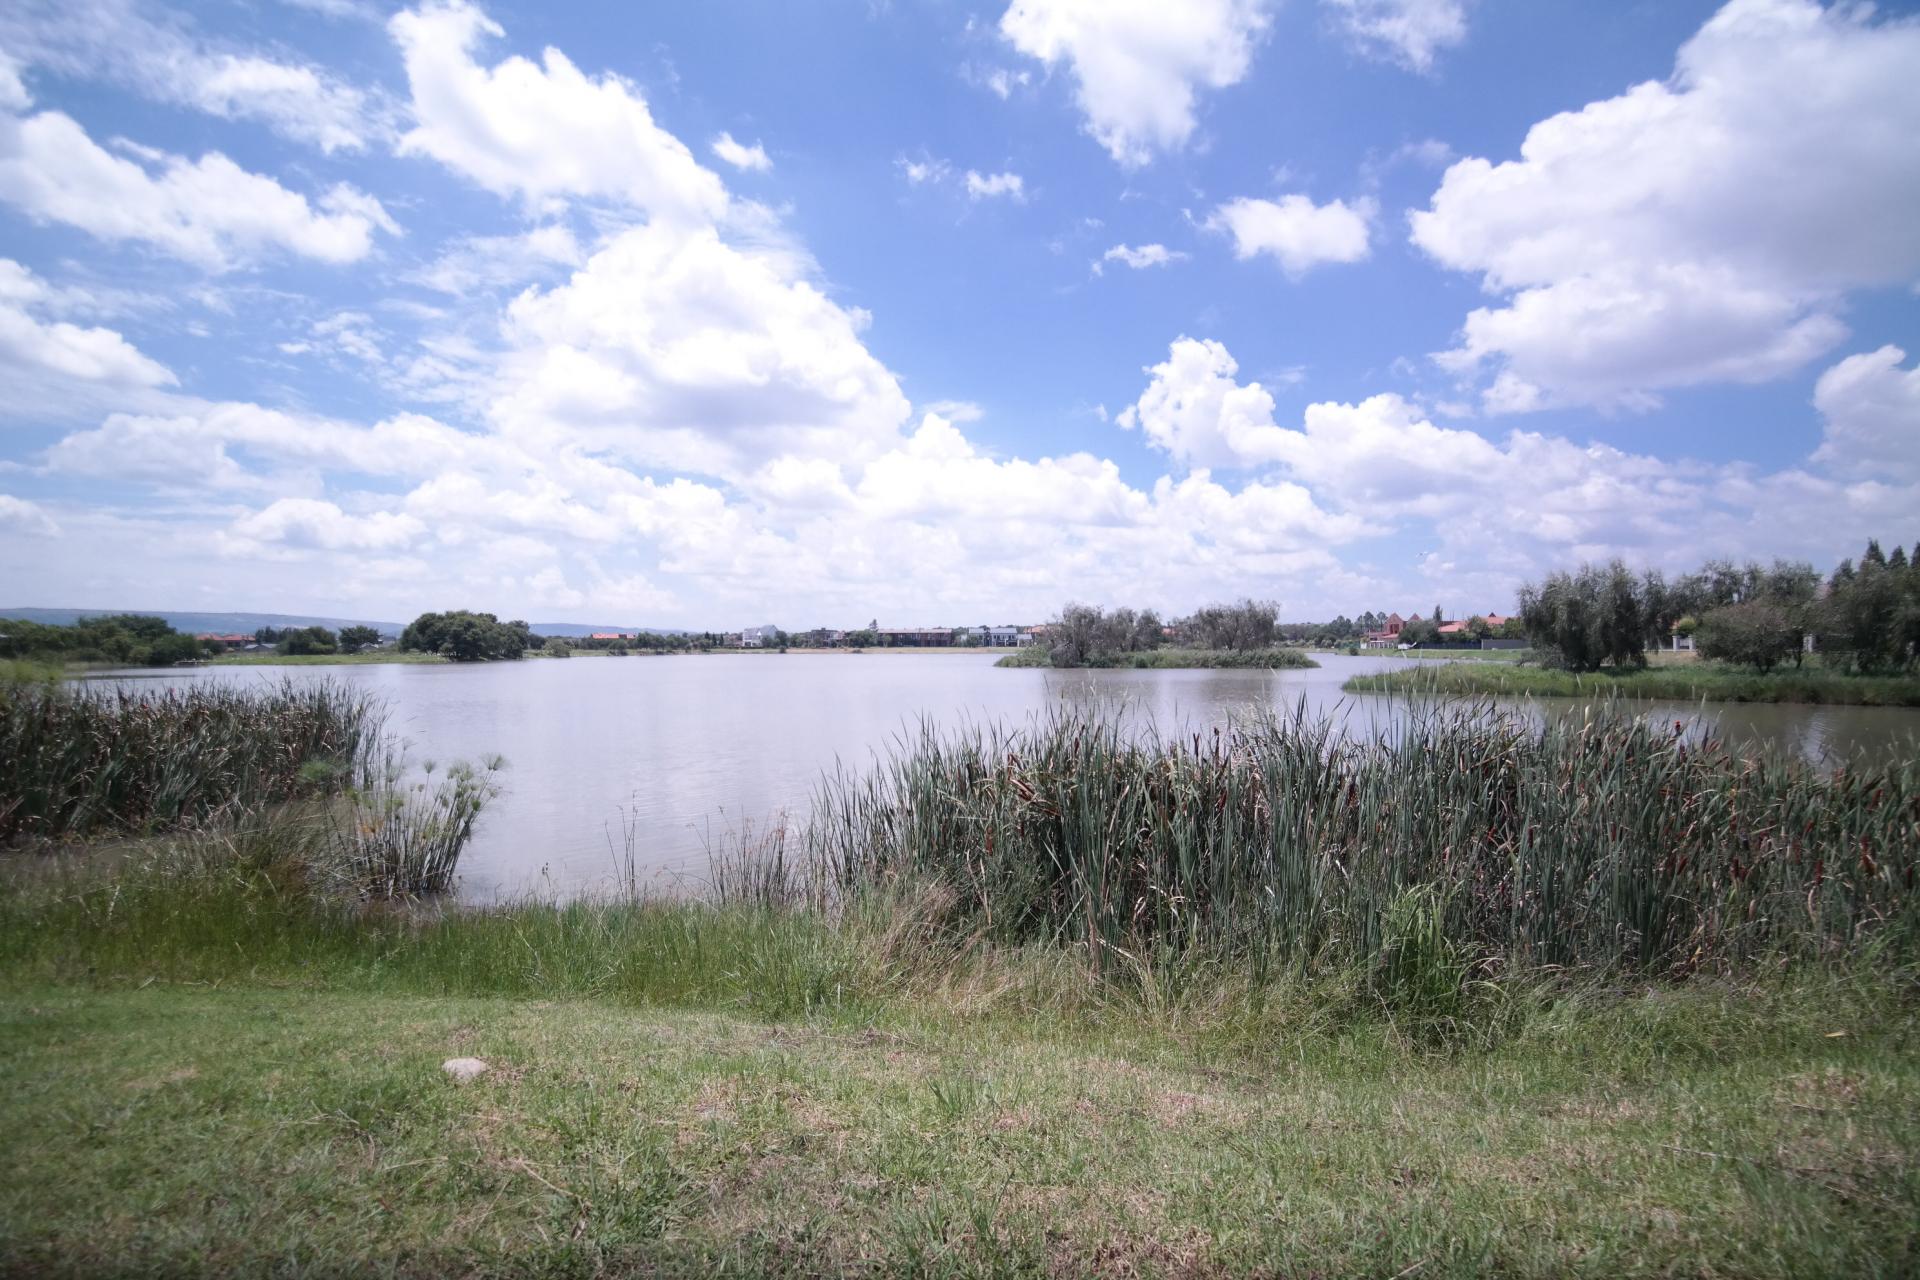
{"x": 368, "y": 657}
{"x": 255, "y": 1129}
{"x": 1688, "y": 682}
{"x": 1172, "y": 659}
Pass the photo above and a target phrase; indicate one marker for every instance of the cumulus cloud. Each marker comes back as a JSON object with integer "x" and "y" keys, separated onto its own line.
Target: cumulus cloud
{"x": 1295, "y": 232}
{"x": 740, "y": 156}
{"x": 737, "y": 357}
{"x": 543, "y": 132}
{"x": 1194, "y": 410}
{"x": 989, "y": 186}
{"x": 56, "y": 346}
{"x": 1139, "y": 64}
{"x": 166, "y": 62}
{"x": 1408, "y": 32}
{"x": 1702, "y": 229}
{"x": 1871, "y": 410}
{"x": 208, "y": 211}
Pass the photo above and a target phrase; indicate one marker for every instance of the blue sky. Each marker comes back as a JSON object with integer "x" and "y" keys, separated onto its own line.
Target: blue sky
{"x": 707, "y": 314}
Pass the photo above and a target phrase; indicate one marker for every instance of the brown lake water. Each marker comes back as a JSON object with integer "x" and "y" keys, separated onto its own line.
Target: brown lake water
{"x": 684, "y": 750}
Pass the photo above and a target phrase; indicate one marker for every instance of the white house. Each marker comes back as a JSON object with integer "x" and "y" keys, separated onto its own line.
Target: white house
{"x": 759, "y": 637}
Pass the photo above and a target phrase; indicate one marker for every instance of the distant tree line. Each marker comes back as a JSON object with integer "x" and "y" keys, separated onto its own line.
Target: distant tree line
{"x": 125, "y": 639}
{"x": 1864, "y": 618}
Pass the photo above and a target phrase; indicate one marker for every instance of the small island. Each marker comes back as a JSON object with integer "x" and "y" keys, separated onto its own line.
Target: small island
{"x": 1244, "y": 635}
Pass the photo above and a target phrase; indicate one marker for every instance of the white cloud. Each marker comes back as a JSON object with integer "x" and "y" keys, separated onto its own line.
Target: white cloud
{"x": 543, "y": 131}
{"x": 735, "y": 358}
{"x": 1196, "y": 412}
{"x": 1702, "y": 229}
{"x": 19, "y": 516}
{"x": 311, "y": 523}
{"x": 1296, "y": 232}
{"x": 209, "y": 211}
{"x": 13, "y": 91}
{"x": 994, "y": 185}
{"x": 488, "y": 262}
{"x": 740, "y": 156}
{"x": 93, "y": 354}
{"x": 1409, "y": 32}
{"x": 1139, "y": 63}
{"x": 926, "y": 169}
{"x": 1871, "y": 408}
{"x": 1140, "y": 257}
{"x": 160, "y": 59}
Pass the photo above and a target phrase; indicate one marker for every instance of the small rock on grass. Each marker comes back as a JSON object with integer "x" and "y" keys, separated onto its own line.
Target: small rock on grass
{"x": 464, "y": 1069}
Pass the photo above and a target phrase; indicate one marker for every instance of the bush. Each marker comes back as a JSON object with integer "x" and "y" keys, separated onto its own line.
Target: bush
{"x": 1755, "y": 635}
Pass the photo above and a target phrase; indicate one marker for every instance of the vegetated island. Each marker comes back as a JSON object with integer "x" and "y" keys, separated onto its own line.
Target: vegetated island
{"x": 1752, "y": 633}
{"x": 1244, "y": 634}
{"x": 1549, "y": 975}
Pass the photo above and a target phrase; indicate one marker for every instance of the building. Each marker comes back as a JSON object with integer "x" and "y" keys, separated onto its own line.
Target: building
{"x": 612, "y": 635}
{"x": 1458, "y": 630}
{"x": 1388, "y": 635}
{"x": 227, "y": 641}
{"x": 759, "y": 637}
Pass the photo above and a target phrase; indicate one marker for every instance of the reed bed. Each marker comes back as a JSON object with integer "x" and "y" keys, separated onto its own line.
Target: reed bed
{"x": 1463, "y": 842}
{"x": 83, "y": 761}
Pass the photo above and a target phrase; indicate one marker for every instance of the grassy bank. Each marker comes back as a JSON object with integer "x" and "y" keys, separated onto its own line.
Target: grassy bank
{"x": 1172, "y": 659}
{"x": 1690, "y": 682}
{"x": 260, "y": 1130}
{"x": 1050, "y": 1000}
{"x": 370, "y": 657}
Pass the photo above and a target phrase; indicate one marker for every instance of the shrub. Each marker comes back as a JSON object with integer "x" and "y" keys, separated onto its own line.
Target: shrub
{"x": 1755, "y": 635}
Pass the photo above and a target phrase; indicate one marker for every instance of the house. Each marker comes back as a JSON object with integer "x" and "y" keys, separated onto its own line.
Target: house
{"x": 612, "y": 635}
{"x": 759, "y": 637}
{"x": 225, "y": 641}
{"x": 1460, "y": 629}
{"x": 823, "y": 638}
{"x": 1388, "y": 635}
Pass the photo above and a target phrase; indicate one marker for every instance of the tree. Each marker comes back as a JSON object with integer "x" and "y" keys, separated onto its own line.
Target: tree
{"x": 1756, "y": 634}
{"x": 1249, "y": 624}
{"x": 1595, "y": 616}
{"x": 354, "y": 639}
{"x": 465, "y": 636}
{"x": 1420, "y": 631}
{"x": 308, "y": 640}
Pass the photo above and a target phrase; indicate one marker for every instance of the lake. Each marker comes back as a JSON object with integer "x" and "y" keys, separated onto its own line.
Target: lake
{"x": 684, "y": 750}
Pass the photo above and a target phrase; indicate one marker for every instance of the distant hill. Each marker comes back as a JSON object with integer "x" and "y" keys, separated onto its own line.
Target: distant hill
{"x": 574, "y": 630}
{"x": 195, "y": 623}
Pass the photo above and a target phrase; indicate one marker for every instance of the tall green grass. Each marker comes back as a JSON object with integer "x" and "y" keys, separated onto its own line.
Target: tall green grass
{"x": 1688, "y": 682}
{"x": 77, "y": 761}
{"x": 1173, "y": 659}
{"x": 1600, "y": 843}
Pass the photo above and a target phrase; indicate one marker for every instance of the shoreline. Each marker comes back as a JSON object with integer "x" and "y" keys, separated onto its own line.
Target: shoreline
{"x": 1688, "y": 682}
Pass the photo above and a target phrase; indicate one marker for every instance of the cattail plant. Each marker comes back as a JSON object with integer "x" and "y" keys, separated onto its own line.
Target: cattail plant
{"x": 74, "y": 761}
{"x": 1464, "y": 839}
